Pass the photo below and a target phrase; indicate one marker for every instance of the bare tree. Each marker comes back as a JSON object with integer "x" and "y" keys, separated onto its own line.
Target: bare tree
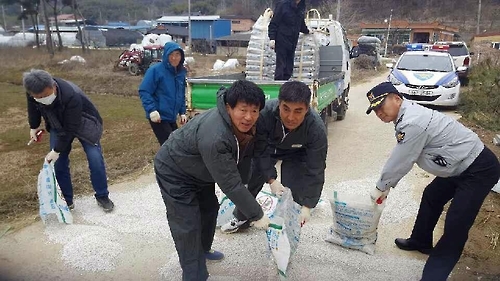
{"x": 48, "y": 34}
{"x": 55, "y": 12}
{"x": 74, "y": 8}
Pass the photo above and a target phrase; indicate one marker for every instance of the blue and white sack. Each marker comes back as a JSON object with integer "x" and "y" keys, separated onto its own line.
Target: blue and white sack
{"x": 283, "y": 234}
{"x": 355, "y": 222}
{"x": 50, "y": 197}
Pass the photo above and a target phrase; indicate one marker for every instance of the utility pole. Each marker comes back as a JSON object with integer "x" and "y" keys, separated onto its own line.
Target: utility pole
{"x": 478, "y": 16}
{"x": 22, "y": 22}
{"x": 388, "y": 30}
{"x": 189, "y": 27}
{"x": 4, "y": 22}
{"x": 337, "y": 18}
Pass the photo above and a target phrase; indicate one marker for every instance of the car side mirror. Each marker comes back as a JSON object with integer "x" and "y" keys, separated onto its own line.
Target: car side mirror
{"x": 471, "y": 53}
{"x": 389, "y": 65}
{"x": 461, "y": 69}
{"x": 354, "y": 53}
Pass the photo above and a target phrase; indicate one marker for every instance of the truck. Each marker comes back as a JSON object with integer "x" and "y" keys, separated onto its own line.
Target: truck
{"x": 330, "y": 88}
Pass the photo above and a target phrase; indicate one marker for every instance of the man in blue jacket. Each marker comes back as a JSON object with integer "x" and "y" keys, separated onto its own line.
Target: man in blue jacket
{"x": 162, "y": 92}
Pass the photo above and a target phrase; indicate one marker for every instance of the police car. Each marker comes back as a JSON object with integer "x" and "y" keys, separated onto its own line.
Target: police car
{"x": 427, "y": 77}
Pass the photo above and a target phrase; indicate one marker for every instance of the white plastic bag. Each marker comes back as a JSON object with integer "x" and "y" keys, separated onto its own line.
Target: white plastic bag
{"x": 355, "y": 222}
{"x": 283, "y": 234}
{"x": 50, "y": 197}
{"x": 267, "y": 201}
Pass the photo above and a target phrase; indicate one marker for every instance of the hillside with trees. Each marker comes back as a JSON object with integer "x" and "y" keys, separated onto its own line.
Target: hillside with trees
{"x": 461, "y": 13}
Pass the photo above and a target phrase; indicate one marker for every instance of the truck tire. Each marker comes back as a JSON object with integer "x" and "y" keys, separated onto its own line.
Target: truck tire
{"x": 341, "y": 108}
{"x": 134, "y": 69}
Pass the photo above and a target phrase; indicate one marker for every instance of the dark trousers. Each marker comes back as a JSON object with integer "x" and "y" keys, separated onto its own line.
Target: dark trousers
{"x": 467, "y": 192}
{"x": 163, "y": 130}
{"x": 192, "y": 217}
{"x": 292, "y": 172}
{"x": 284, "y": 64}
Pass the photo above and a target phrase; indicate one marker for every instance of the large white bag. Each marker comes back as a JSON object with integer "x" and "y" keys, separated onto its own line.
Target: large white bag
{"x": 50, "y": 196}
{"x": 355, "y": 222}
{"x": 283, "y": 234}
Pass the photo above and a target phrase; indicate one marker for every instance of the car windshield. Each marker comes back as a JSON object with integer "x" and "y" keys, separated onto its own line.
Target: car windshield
{"x": 425, "y": 63}
{"x": 458, "y": 50}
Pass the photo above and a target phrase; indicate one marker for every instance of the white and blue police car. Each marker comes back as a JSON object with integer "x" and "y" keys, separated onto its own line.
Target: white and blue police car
{"x": 427, "y": 77}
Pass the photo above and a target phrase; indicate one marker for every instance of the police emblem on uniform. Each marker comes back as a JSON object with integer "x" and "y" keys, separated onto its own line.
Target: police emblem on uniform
{"x": 439, "y": 160}
{"x": 400, "y": 136}
{"x": 371, "y": 97}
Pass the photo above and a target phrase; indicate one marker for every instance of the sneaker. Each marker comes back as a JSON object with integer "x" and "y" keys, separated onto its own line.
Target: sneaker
{"x": 105, "y": 203}
{"x": 214, "y": 255}
{"x": 234, "y": 225}
{"x": 71, "y": 206}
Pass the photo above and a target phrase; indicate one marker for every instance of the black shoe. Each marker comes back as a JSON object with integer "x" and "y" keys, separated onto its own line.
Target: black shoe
{"x": 412, "y": 245}
{"x": 105, "y": 203}
{"x": 71, "y": 206}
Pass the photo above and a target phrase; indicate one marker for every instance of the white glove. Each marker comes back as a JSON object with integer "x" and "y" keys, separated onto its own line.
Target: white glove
{"x": 33, "y": 135}
{"x": 184, "y": 119}
{"x": 263, "y": 223}
{"x": 277, "y": 188}
{"x": 378, "y": 196}
{"x": 272, "y": 44}
{"x": 305, "y": 215}
{"x": 155, "y": 117}
{"x": 52, "y": 156}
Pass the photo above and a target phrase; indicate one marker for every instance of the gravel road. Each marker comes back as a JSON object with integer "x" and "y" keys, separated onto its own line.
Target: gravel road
{"x": 134, "y": 242}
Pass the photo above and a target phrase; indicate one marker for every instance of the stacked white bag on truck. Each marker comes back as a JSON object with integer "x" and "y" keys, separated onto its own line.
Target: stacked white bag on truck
{"x": 306, "y": 60}
{"x": 261, "y": 59}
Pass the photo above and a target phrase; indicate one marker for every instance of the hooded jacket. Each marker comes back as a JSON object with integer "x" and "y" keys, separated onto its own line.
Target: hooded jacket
{"x": 286, "y": 23}
{"x": 163, "y": 87}
{"x": 71, "y": 114}
{"x": 307, "y": 143}
{"x": 205, "y": 151}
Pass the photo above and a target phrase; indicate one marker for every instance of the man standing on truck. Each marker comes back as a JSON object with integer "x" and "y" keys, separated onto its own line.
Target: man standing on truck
{"x": 283, "y": 31}
{"x": 465, "y": 172}
{"x": 288, "y": 130}
{"x": 214, "y": 147}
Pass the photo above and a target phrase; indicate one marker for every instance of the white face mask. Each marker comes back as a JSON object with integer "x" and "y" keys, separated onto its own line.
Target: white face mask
{"x": 47, "y": 100}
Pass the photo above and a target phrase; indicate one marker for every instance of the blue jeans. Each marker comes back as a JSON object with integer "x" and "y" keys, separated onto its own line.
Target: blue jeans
{"x": 96, "y": 166}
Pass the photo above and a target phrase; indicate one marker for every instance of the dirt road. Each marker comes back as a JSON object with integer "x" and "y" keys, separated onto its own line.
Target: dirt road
{"x": 134, "y": 242}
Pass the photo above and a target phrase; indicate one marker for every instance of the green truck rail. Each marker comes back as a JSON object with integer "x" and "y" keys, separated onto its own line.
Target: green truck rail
{"x": 328, "y": 99}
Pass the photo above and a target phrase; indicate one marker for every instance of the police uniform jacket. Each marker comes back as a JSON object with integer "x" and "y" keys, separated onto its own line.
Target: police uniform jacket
{"x": 307, "y": 143}
{"x": 438, "y": 144}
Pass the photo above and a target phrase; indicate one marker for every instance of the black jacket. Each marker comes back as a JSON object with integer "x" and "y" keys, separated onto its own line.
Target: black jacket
{"x": 307, "y": 143}
{"x": 205, "y": 151}
{"x": 286, "y": 23}
{"x": 72, "y": 114}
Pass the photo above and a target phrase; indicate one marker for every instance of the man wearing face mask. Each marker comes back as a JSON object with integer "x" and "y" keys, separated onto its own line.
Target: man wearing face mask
{"x": 68, "y": 114}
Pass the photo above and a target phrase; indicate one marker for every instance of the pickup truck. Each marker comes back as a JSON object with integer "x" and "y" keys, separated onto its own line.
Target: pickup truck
{"x": 328, "y": 96}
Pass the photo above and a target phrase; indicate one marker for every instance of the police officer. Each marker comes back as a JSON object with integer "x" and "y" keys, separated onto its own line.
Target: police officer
{"x": 465, "y": 171}
{"x": 289, "y": 130}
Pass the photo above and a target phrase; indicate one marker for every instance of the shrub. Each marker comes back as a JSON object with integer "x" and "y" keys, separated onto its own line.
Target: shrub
{"x": 480, "y": 102}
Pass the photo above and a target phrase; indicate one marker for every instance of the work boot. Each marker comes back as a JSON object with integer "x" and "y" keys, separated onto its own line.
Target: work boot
{"x": 71, "y": 206}
{"x": 412, "y": 245}
{"x": 214, "y": 255}
{"x": 234, "y": 225}
{"x": 105, "y": 203}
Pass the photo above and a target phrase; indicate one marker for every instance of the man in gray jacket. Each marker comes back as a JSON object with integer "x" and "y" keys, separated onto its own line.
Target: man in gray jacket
{"x": 289, "y": 130}
{"x": 465, "y": 172}
{"x": 214, "y": 147}
{"x": 68, "y": 114}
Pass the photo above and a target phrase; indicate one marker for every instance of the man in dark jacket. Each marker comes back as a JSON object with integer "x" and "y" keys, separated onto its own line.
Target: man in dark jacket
{"x": 162, "y": 92}
{"x": 68, "y": 114}
{"x": 283, "y": 31}
{"x": 288, "y": 130}
{"x": 214, "y": 147}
